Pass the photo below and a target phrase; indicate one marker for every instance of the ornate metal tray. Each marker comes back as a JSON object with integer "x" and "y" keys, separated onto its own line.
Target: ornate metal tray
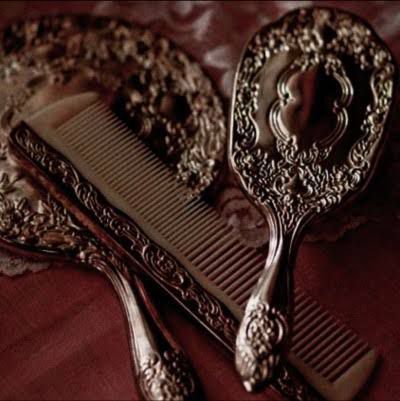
{"x": 164, "y": 97}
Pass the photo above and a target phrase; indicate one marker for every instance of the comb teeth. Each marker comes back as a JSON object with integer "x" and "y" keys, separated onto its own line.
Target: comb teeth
{"x": 321, "y": 342}
{"x": 190, "y": 226}
{"x": 120, "y": 165}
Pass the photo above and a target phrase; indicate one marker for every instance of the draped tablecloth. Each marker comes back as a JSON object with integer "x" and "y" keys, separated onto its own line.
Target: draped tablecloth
{"x": 62, "y": 332}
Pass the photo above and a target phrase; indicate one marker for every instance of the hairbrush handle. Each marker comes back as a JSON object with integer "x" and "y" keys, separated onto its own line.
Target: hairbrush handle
{"x": 162, "y": 370}
{"x": 266, "y": 325}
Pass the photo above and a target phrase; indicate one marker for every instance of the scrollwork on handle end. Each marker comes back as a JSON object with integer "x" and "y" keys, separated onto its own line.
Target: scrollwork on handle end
{"x": 259, "y": 343}
{"x": 167, "y": 377}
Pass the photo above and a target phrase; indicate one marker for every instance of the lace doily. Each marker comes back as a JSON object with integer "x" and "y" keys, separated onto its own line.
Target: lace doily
{"x": 215, "y": 33}
{"x": 12, "y": 265}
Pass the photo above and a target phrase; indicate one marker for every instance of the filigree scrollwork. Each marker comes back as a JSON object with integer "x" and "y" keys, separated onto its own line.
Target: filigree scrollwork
{"x": 333, "y": 66}
{"x": 56, "y": 50}
{"x": 259, "y": 344}
{"x": 162, "y": 94}
{"x": 291, "y": 388}
{"x": 166, "y": 376}
{"x": 161, "y": 265}
{"x": 50, "y": 229}
{"x": 296, "y": 159}
{"x": 271, "y": 179}
{"x": 164, "y": 269}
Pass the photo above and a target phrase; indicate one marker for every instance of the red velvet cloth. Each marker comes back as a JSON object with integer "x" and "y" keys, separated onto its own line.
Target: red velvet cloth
{"x": 63, "y": 335}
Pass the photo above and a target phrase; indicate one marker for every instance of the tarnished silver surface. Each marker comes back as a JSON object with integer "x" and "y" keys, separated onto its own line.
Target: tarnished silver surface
{"x": 157, "y": 89}
{"x": 163, "y": 96}
{"x": 49, "y": 58}
{"x": 58, "y": 174}
{"x": 311, "y": 105}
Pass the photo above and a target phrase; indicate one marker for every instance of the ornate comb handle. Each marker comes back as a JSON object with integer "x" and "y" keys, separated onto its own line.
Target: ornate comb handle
{"x": 162, "y": 370}
{"x": 311, "y": 105}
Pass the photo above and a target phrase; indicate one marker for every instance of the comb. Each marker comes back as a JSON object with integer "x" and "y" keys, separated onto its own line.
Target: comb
{"x": 332, "y": 358}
